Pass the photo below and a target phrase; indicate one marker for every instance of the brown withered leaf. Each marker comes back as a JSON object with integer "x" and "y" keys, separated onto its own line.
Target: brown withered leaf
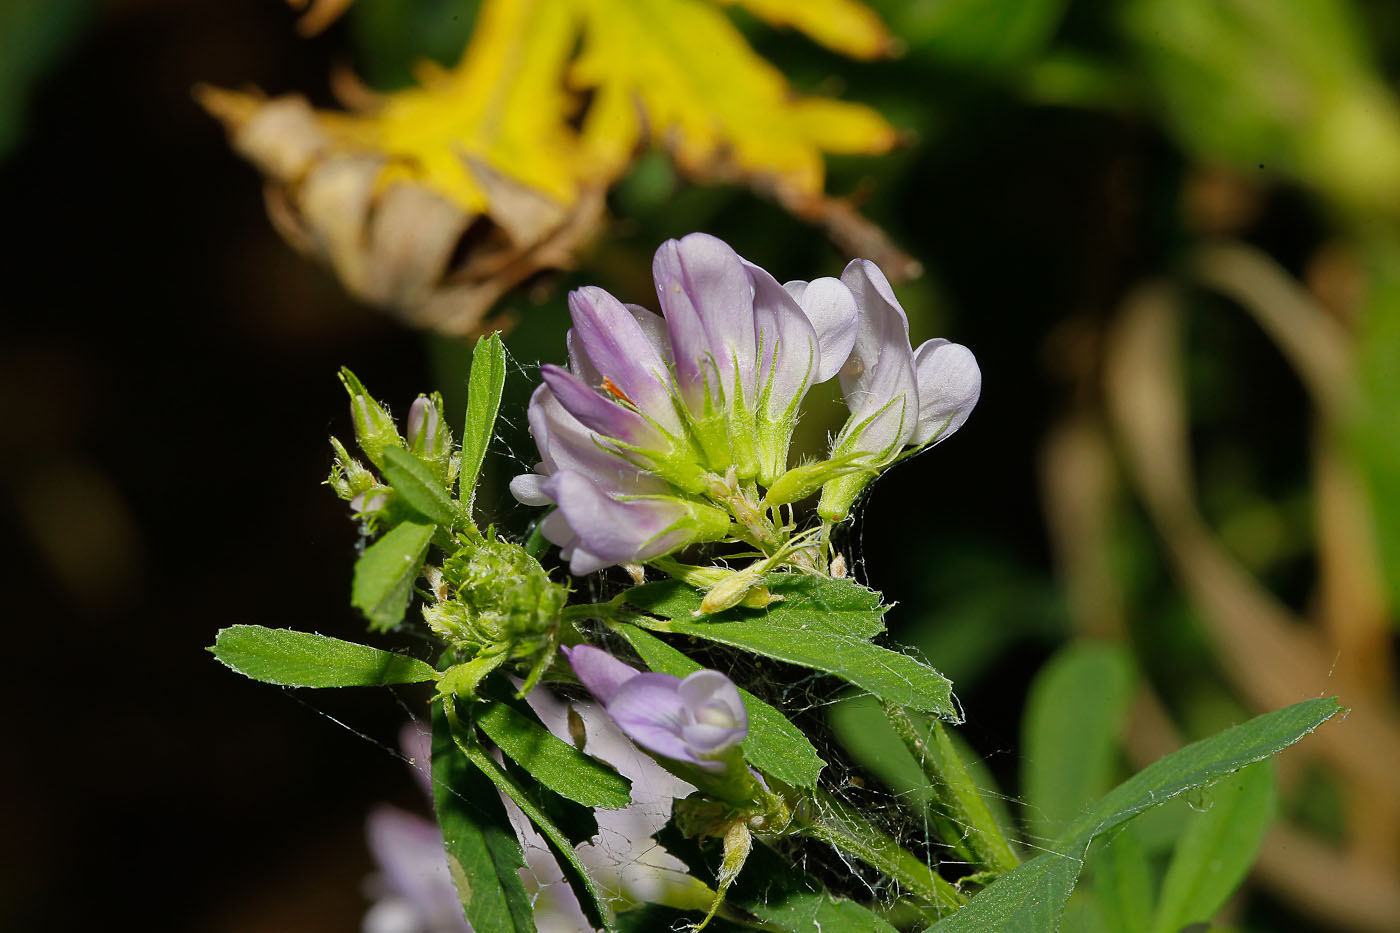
{"x": 400, "y": 246}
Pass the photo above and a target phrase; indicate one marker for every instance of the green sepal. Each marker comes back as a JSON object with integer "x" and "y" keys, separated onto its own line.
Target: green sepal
{"x": 348, "y": 478}
{"x": 805, "y": 479}
{"x": 374, "y": 429}
{"x": 432, "y": 442}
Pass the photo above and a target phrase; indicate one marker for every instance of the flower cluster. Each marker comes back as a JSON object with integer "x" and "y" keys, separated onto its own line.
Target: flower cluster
{"x": 663, "y": 429}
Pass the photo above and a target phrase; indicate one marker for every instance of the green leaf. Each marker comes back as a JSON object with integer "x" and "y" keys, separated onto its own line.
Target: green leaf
{"x": 484, "y": 387}
{"x": 578, "y": 823}
{"x": 483, "y": 853}
{"x": 415, "y": 483}
{"x": 1123, "y": 882}
{"x": 1215, "y": 852}
{"x": 1073, "y": 718}
{"x": 301, "y": 659}
{"x": 1197, "y": 765}
{"x": 888, "y": 674}
{"x": 550, "y": 760}
{"x": 1028, "y": 899}
{"x": 832, "y": 639}
{"x": 774, "y": 745}
{"x": 590, "y": 897}
{"x": 384, "y": 574}
{"x": 808, "y": 601}
{"x": 1032, "y": 897}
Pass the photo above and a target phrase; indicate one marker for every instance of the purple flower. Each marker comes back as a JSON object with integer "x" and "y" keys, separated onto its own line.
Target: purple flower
{"x": 414, "y": 889}
{"x": 652, "y": 412}
{"x": 621, "y": 530}
{"x": 695, "y": 719}
{"x": 898, "y": 396}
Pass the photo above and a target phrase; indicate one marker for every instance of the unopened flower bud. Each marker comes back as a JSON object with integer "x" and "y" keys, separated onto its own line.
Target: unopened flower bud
{"x": 497, "y": 595}
{"x": 423, "y": 425}
{"x": 739, "y": 588}
{"x": 348, "y": 478}
{"x": 374, "y": 429}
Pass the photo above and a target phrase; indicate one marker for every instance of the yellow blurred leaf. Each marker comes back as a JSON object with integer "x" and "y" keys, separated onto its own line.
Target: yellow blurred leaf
{"x": 720, "y": 109}
{"x": 517, "y": 143}
{"x": 846, "y": 26}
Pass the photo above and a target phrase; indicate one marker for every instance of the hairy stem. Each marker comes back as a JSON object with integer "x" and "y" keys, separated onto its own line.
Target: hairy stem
{"x": 850, "y": 833}
{"x": 955, "y": 789}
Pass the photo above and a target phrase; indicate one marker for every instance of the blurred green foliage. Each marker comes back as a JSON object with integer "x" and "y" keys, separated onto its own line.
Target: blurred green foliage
{"x": 33, "y": 35}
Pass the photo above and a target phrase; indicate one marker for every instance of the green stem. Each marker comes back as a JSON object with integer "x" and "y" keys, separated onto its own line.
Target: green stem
{"x": 604, "y": 612}
{"x": 950, "y": 781}
{"x": 851, "y": 834}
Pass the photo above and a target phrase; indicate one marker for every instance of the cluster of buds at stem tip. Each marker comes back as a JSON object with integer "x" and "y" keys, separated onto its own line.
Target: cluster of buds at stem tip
{"x": 426, "y": 436}
{"x": 664, "y": 430}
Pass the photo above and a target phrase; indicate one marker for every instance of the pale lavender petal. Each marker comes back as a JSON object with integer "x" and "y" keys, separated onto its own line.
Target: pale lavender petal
{"x": 878, "y": 378}
{"x": 654, "y": 326}
{"x": 599, "y": 671}
{"x": 613, "y": 531}
{"x": 579, "y": 363}
{"x": 582, "y": 561}
{"x": 708, "y": 741}
{"x": 599, "y": 413}
{"x": 565, "y": 444}
{"x": 831, "y": 308}
{"x": 950, "y": 383}
{"x": 649, "y": 710}
{"x": 787, "y": 344}
{"x": 713, "y": 698}
{"x": 423, "y": 421}
{"x": 622, "y": 353}
{"x": 708, "y": 304}
{"x": 556, "y": 530}
{"x": 408, "y": 851}
{"x": 528, "y": 489}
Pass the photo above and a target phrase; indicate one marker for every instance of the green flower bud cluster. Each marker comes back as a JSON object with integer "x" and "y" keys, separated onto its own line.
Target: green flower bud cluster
{"x": 426, "y": 435}
{"x": 494, "y": 598}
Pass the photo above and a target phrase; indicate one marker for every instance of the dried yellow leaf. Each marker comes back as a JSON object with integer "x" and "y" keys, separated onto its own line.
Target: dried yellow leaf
{"x": 719, "y": 108}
